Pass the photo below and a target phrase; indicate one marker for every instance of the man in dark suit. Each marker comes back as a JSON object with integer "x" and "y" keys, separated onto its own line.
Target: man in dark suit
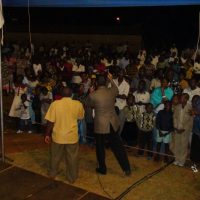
{"x": 107, "y": 124}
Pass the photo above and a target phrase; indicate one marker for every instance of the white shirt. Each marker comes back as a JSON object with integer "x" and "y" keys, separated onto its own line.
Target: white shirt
{"x": 80, "y": 68}
{"x": 180, "y": 124}
{"x": 174, "y": 50}
{"x": 142, "y": 97}
{"x": 123, "y": 62}
{"x": 36, "y": 68}
{"x": 76, "y": 78}
{"x": 183, "y": 60}
{"x": 123, "y": 88}
{"x": 24, "y": 112}
{"x": 155, "y": 60}
{"x": 196, "y": 68}
{"x": 192, "y": 92}
{"x": 106, "y": 62}
{"x": 142, "y": 56}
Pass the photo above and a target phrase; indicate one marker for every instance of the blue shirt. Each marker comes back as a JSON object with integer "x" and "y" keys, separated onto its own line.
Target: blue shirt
{"x": 156, "y": 96}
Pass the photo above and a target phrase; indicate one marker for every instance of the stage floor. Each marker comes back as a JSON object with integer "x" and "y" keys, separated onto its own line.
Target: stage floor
{"x": 17, "y": 183}
{"x": 27, "y": 176}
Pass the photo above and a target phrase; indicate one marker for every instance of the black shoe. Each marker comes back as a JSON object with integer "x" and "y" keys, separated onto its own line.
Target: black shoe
{"x": 166, "y": 159}
{"x": 127, "y": 172}
{"x": 101, "y": 171}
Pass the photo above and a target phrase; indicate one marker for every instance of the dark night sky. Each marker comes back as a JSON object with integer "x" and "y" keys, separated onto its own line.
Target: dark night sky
{"x": 156, "y": 24}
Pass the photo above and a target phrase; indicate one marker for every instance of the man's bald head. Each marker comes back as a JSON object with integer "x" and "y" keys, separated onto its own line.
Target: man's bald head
{"x": 66, "y": 92}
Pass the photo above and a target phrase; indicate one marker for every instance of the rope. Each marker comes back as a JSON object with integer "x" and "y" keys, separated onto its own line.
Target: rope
{"x": 136, "y": 148}
{"x": 102, "y": 187}
{"x": 142, "y": 180}
{"x": 197, "y": 47}
{"x": 29, "y": 28}
{"x": 145, "y": 150}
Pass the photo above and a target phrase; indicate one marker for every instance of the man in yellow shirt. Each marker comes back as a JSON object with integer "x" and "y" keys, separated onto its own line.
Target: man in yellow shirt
{"x": 62, "y": 133}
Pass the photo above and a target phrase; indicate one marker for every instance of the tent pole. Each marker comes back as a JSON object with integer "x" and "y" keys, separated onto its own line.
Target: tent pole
{"x": 1, "y": 114}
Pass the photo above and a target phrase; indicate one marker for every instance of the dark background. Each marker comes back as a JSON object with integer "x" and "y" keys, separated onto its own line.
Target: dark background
{"x": 159, "y": 26}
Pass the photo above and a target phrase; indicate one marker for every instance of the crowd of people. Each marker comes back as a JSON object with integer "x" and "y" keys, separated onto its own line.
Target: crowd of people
{"x": 158, "y": 100}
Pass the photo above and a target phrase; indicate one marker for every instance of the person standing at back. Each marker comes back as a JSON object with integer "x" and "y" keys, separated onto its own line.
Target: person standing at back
{"x": 62, "y": 132}
{"x": 107, "y": 124}
{"x": 123, "y": 91}
{"x": 183, "y": 123}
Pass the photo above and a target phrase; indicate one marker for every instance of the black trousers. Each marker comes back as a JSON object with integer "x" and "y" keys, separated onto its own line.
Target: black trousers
{"x": 145, "y": 139}
{"x": 116, "y": 146}
{"x": 195, "y": 148}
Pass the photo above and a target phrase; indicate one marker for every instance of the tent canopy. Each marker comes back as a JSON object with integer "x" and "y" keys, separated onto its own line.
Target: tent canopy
{"x": 97, "y": 3}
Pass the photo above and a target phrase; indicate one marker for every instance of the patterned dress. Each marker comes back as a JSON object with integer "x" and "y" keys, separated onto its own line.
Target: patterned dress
{"x": 130, "y": 131}
{"x": 19, "y": 90}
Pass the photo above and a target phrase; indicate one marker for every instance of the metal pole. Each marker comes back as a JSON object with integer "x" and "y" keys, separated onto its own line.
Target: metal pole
{"x": 1, "y": 114}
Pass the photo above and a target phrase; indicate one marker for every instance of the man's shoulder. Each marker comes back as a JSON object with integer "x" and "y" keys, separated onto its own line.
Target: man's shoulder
{"x": 56, "y": 101}
{"x": 186, "y": 90}
{"x": 77, "y": 102}
{"x": 63, "y": 101}
{"x": 198, "y": 89}
{"x": 125, "y": 83}
{"x": 101, "y": 92}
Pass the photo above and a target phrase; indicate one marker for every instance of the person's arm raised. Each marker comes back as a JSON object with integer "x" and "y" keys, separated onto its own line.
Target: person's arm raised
{"x": 113, "y": 85}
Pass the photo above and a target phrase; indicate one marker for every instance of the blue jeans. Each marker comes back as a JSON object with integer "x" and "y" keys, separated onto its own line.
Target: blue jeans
{"x": 23, "y": 122}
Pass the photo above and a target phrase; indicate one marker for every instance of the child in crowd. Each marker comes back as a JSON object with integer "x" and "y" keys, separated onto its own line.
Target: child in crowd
{"x": 183, "y": 122}
{"x": 164, "y": 125}
{"x": 146, "y": 122}
{"x": 19, "y": 89}
{"x": 46, "y": 99}
{"x": 24, "y": 115}
{"x": 36, "y": 105}
{"x": 130, "y": 130}
{"x": 175, "y": 101}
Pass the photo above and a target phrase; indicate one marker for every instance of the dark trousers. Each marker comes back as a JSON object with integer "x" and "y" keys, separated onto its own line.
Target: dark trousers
{"x": 70, "y": 153}
{"x": 195, "y": 146}
{"x": 90, "y": 132}
{"x": 23, "y": 122}
{"x": 38, "y": 121}
{"x": 158, "y": 147}
{"x": 116, "y": 146}
{"x": 145, "y": 139}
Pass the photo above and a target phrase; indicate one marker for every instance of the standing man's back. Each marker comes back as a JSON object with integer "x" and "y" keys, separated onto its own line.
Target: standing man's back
{"x": 62, "y": 132}
{"x": 106, "y": 125}
{"x": 103, "y": 101}
{"x": 65, "y": 113}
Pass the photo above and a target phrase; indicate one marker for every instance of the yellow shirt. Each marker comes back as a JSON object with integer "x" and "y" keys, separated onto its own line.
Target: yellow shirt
{"x": 184, "y": 84}
{"x": 64, "y": 114}
{"x": 189, "y": 73}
